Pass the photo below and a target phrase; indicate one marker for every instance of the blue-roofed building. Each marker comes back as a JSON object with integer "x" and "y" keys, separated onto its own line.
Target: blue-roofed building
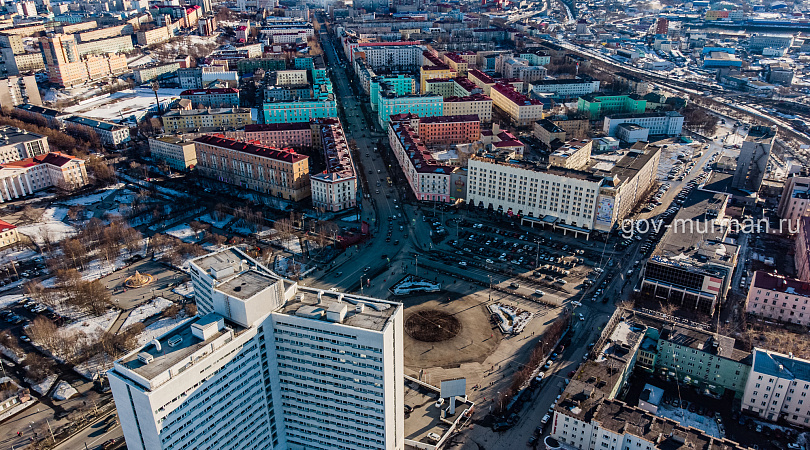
{"x": 777, "y": 388}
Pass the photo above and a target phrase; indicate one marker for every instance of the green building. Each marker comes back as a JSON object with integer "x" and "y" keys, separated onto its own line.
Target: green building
{"x": 248, "y": 66}
{"x": 399, "y": 85}
{"x": 596, "y": 106}
{"x": 705, "y": 361}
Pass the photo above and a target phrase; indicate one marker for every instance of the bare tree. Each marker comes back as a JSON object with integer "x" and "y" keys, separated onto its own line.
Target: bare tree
{"x": 284, "y": 228}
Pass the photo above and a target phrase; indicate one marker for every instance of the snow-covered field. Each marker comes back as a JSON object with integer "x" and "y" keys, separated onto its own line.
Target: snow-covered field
{"x": 92, "y": 198}
{"x": 209, "y": 218}
{"x": 17, "y": 255}
{"x": 186, "y": 290}
{"x": 52, "y": 224}
{"x": 146, "y": 310}
{"x": 98, "y": 268}
{"x": 64, "y": 391}
{"x": 182, "y": 232}
{"x": 160, "y": 328}
{"x": 93, "y": 325}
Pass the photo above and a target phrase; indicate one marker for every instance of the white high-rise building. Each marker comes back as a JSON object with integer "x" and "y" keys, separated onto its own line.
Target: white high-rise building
{"x": 266, "y": 364}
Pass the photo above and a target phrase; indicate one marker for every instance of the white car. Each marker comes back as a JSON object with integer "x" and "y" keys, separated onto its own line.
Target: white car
{"x": 576, "y": 303}
{"x": 463, "y": 263}
{"x": 581, "y": 317}
{"x": 489, "y": 261}
{"x": 440, "y": 402}
{"x": 540, "y": 376}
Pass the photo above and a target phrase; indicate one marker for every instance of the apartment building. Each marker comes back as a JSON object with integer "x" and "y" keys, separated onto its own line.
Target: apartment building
{"x": 120, "y": 44}
{"x": 29, "y": 175}
{"x": 68, "y": 67}
{"x": 449, "y": 130}
{"x": 177, "y": 153}
{"x": 8, "y": 234}
{"x": 482, "y": 80}
{"x": 390, "y": 104}
{"x": 547, "y": 132}
{"x": 522, "y": 110}
{"x": 19, "y": 63}
{"x": 433, "y": 67}
{"x": 111, "y": 134}
{"x": 668, "y": 123}
{"x": 158, "y": 35}
{"x": 566, "y": 88}
{"x": 18, "y": 91}
{"x": 476, "y": 104}
{"x": 259, "y": 362}
{"x": 277, "y": 173}
{"x": 297, "y": 135}
{"x": 335, "y": 188}
{"x": 103, "y": 33}
{"x": 595, "y": 106}
{"x": 794, "y": 202}
{"x": 212, "y": 98}
{"x": 17, "y": 144}
{"x": 777, "y": 388}
{"x": 206, "y": 120}
{"x": 154, "y": 71}
{"x": 777, "y": 297}
{"x": 428, "y": 178}
{"x": 574, "y": 154}
{"x": 401, "y": 57}
{"x": 299, "y": 110}
{"x": 397, "y": 85}
{"x": 457, "y": 63}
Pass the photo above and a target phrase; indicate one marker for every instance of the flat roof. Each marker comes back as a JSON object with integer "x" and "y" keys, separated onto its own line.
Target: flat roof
{"x": 185, "y": 344}
{"x": 247, "y": 284}
{"x": 426, "y": 417}
{"x": 16, "y": 135}
{"x": 374, "y": 316}
{"x": 253, "y": 148}
{"x": 665, "y": 434}
{"x": 694, "y": 238}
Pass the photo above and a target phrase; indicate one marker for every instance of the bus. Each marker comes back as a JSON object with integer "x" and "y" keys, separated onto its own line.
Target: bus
{"x": 388, "y": 179}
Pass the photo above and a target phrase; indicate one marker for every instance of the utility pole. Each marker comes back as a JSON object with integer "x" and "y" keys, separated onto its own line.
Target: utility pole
{"x": 155, "y": 87}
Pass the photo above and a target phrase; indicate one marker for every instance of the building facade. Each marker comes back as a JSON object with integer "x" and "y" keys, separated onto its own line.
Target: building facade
{"x": 265, "y": 347}
{"x": 668, "y": 123}
{"x": 299, "y": 111}
{"x": 297, "y": 135}
{"x": 17, "y": 144}
{"x": 478, "y": 104}
{"x": 594, "y": 106}
{"x": 271, "y": 171}
{"x": 428, "y": 178}
{"x": 568, "y": 88}
{"x": 212, "y": 98}
{"x": 178, "y": 153}
{"x": 777, "y": 297}
{"x": 8, "y": 234}
{"x": 335, "y": 188}
{"x": 111, "y": 134}
{"x": 448, "y": 130}
{"x": 522, "y": 110}
{"x": 29, "y": 175}
{"x": 777, "y": 388}
{"x": 421, "y": 105}
{"x": 206, "y": 120}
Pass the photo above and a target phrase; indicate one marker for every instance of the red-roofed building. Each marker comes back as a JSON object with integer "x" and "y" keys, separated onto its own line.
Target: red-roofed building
{"x": 482, "y": 80}
{"x": 276, "y": 172}
{"x": 296, "y": 134}
{"x": 8, "y": 234}
{"x": 520, "y": 108}
{"x": 334, "y": 189}
{"x": 448, "y": 130}
{"x": 24, "y": 177}
{"x": 428, "y": 178}
{"x": 778, "y": 297}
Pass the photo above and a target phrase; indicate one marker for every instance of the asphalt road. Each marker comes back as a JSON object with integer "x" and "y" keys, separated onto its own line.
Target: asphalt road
{"x": 93, "y": 437}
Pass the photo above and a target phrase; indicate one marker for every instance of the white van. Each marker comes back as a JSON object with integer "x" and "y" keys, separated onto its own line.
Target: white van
{"x": 539, "y": 293}
{"x": 433, "y": 437}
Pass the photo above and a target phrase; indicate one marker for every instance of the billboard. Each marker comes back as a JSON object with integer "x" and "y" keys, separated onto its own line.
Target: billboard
{"x": 454, "y": 387}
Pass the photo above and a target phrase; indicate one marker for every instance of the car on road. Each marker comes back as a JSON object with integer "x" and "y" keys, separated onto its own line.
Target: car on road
{"x": 462, "y": 263}
{"x": 581, "y": 317}
{"x": 25, "y": 338}
{"x": 110, "y": 443}
{"x": 540, "y": 376}
{"x": 545, "y": 419}
{"x": 532, "y": 441}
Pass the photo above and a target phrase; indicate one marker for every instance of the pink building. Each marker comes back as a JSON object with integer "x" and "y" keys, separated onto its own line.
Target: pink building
{"x": 780, "y": 298}
{"x": 450, "y": 129}
{"x": 429, "y": 179}
{"x": 296, "y": 135}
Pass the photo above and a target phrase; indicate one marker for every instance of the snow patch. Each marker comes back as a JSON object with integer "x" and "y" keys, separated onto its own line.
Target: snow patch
{"x": 64, "y": 391}
{"x": 43, "y": 386}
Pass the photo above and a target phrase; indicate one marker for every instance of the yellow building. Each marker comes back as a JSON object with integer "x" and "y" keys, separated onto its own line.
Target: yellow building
{"x": 201, "y": 120}
{"x": 430, "y": 72}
